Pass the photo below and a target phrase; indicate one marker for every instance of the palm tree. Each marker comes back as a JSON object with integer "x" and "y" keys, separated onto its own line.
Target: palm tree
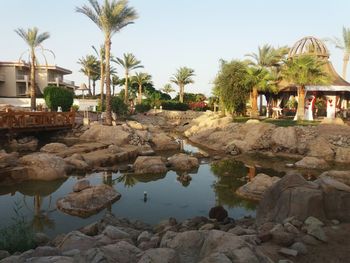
{"x": 95, "y": 76}
{"x": 102, "y": 54}
{"x": 141, "y": 79}
{"x": 115, "y": 82}
{"x": 110, "y": 17}
{"x": 34, "y": 40}
{"x": 129, "y": 62}
{"x": 182, "y": 77}
{"x": 301, "y": 71}
{"x": 167, "y": 88}
{"x": 344, "y": 44}
{"x": 89, "y": 64}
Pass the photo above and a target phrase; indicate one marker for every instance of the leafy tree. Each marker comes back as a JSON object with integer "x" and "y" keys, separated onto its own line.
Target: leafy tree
{"x": 34, "y": 40}
{"x": 302, "y": 71}
{"x": 230, "y": 86}
{"x": 128, "y": 62}
{"x": 58, "y": 97}
{"x": 167, "y": 88}
{"x": 89, "y": 66}
{"x": 183, "y": 77}
{"x": 115, "y": 82}
{"x": 119, "y": 107}
{"x": 110, "y": 17}
{"x": 141, "y": 79}
{"x": 192, "y": 97}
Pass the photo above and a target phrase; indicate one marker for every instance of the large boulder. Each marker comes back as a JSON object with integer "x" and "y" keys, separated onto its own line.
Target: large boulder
{"x": 24, "y": 144}
{"x": 8, "y": 159}
{"x": 291, "y": 196}
{"x": 342, "y": 176}
{"x": 312, "y": 163}
{"x": 88, "y": 201}
{"x": 107, "y": 134}
{"x": 43, "y": 166}
{"x": 321, "y": 148}
{"x": 163, "y": 142}
{"x": 77, "y": 240}
{"x": 257, "y": 186}
{"x": 342, "y": 155}
{"x": 54, "y": 147}
{"x": 183, "y": 162}
{"x": 149, "y": 165}
{"x": 285, "y": 137}
{"x": 159, "y": 255}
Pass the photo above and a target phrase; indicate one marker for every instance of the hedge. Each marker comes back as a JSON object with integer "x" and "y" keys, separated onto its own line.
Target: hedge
{"x": 58, "y": 97}
{"x": 174, "y": 105}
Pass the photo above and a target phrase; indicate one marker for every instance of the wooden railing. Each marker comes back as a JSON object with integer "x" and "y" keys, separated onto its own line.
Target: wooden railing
{"x": 38, "y": 120}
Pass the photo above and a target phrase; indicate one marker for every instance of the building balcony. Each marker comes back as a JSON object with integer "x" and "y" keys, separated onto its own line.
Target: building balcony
{"x": 61, "y": 82}
{"x": 22, "y": 78}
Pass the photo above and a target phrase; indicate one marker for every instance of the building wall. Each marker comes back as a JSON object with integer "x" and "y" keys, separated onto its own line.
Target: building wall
{"x": 8, "y": 88}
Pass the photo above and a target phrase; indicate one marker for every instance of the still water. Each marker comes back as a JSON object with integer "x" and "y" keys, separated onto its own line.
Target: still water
{"x": 213, "y": 184}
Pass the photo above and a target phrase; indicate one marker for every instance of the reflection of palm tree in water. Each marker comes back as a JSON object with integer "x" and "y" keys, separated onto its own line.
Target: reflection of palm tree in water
{"x": 108, "y": 180}
{"x": 128, "y": 180}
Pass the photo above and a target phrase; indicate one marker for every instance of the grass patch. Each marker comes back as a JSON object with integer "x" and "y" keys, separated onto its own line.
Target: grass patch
{"x": 19, "y": 236}
{"x": 290, "y": 122}
{"x": 240, "y": 119}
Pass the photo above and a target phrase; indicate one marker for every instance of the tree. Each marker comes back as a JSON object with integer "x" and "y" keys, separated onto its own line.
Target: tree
{"x": 102, "y": 54}
{"x": 95, "y": 76}
{"x": 115, "y": 82}
{"x": 128, "y": 62}
{"x": 268, "y": 56}
{"x": 88, "y": 64}
{"x": 301, "y": 71}
{"x": 110, "y": 17}
{"x": 344, "y": 44}
{"x": 183, "y": 77}
{"x": 141, "y": 79}
{"x": 34, "y": 40}
{"x": 230, "y": 86}
{"x": 167, "y": 88}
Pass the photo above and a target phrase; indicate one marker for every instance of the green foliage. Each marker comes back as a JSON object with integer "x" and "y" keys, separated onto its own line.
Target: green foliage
{"x": 75, "y": 107}
{"x": 58, "y": 96}
{"x": 19, "y": 236}
{"x": 192, "y": 97}
{"x": 119, "y": 107}
{"x": 143, "y": 107}
{"x": 100, "y": 107}
{"x": 174, "y": 105}
{"x": 292, "y": 103}
{"x": 230, "y": 86}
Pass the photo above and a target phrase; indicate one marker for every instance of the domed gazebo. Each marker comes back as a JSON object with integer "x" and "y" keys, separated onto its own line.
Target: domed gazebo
{"x": 335, "y": 95}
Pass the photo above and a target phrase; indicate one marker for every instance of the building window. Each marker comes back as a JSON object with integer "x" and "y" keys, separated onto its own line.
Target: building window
{"x": 21, "y": 89}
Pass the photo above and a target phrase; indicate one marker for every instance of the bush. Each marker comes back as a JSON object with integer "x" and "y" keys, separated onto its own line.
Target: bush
{"x": 19, "y": 236}
{"x": 100, "y": 107}
{"x": 198, "y": 106}
{"x": 143, "y": 107}
{"x": 75, "y": 107}
{"x": 58, "y": 97}
{"x": 118, "y": 106}
{"x": 174, "y": 105}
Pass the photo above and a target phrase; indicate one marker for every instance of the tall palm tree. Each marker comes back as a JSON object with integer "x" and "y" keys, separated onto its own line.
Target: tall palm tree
{"x": 34, "y": 40}
{"x": 344, "y": 44}
{"x": 301, "y": 71}
{"x": 110, "y": 17}
{"x": 89, "y": 64}
{"x": 128, "y": 62}
{"x": 167, "y": 88}
{"x": 182, "y": 77}
{"x": 141, "y": 79}
{"x": 115, "y": 82}
{"x": 95, "y": 76}
{"x": 102, "y": 54}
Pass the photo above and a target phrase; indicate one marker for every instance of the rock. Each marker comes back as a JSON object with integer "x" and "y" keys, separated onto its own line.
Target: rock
{"x": 135, "y": 125}
{"x": 216, "y": 257}
{"x": 163, "y": 142}
{"x": 285, "y": 137}
{"x": 8, "y": 159}
{"x": 115, "y": 233}
{"x": 280, "y": 237}
{"x": 159, "y": 255}
{"x": 81, "y": 185}
{"x": 317, "y": 231}
{"x": 265, "y": 236}
{"x": 88, "y": 201}
{"x": 149, "y": 165}
{"x": 291, "y": 229}
{"x": 146, "y": 150}
{"x": 51, "y": 259}
{"x": 310, "y": 240}
{"x": 288, "y": 252}
{"x": 25, "y": 144}
{"x": 183, "y": 162}
{"x": 46, "y": 251}
{"x": 207, "y": 227}
{"x": 232, "y": 149}
{"x": 107, "y": 134}
{"x": 342, "y": 176}
{"x": 300, "y": 247}
{"x": 342, "y": 155}
{"x": 257, "y": 186}
{"x": 334, "y": 121}
{"x": 43, "y": 166}
{"x": 144, "y": 236}
{"x": 291, "y": 196}
{"x": 327, "y": 183}
{"x": 237, "y": 230}
{"x": 218, "y": 212}
{"x": 77, "y": 164}
{"x": 321, "y": 148}
{"x": 4, "y": 254}
{"x": 41, "y": 239}
{"x": 312, "y": 163}
{"x": 71, "y": 253}
{"x": 252, "y": 121}
{"x": 54, "y": 147}
{"x": 90, "y": 230}
{"x": 335, "y": 222}
{"x": 76, "y": 240}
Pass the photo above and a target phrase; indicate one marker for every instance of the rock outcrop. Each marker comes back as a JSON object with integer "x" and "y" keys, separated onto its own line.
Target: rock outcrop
{"x": 116, "y": 135}
{"x": 149, "y": 165}
{"x": 183, "y": 162}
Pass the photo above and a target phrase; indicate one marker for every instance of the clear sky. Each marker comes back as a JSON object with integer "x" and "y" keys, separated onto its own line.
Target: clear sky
{"x": 174, "y": 33}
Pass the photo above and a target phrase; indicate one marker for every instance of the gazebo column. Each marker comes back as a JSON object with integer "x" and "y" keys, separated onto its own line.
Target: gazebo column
{"x": 331, "y": 106}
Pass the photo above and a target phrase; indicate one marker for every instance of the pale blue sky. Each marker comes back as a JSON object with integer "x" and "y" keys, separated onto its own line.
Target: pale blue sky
{"x": 170, "y": 34}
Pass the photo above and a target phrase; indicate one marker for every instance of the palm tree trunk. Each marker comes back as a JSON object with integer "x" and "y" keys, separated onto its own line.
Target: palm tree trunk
{"x": 181, "y": 94}
{"x": 126, "y": 96}
{"x": 108, "y": 44}
{"x": 301, "y": 103}
{"x": 113, "y": 87}
{"x": 140, "y": 94}
{"x": 102, "y": 79}
{"x": 89, "y": 83}
{"x": 345, "y": 64}
{"x": 32, "y": 82}
{"x": 255, "y": 112}
{"x": 93, "y": 87}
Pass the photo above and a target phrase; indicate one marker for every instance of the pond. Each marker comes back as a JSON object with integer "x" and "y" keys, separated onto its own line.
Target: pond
{"x": 213, "y": 184}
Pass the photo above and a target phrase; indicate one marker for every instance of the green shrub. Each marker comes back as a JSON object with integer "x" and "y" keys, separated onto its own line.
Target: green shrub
{"x": 174, "y": 105}
{"x": 58, "y": 97}
{"x": 75, "y": 107}
{"x": 101, "y": 108}
{"x": 143, "y": 107}
{"x": 19, "y": 236}
{"x": 118, "y": 106}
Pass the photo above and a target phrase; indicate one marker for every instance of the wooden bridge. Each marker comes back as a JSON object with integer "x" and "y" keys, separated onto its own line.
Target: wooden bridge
{"x": 27, "y": 121}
